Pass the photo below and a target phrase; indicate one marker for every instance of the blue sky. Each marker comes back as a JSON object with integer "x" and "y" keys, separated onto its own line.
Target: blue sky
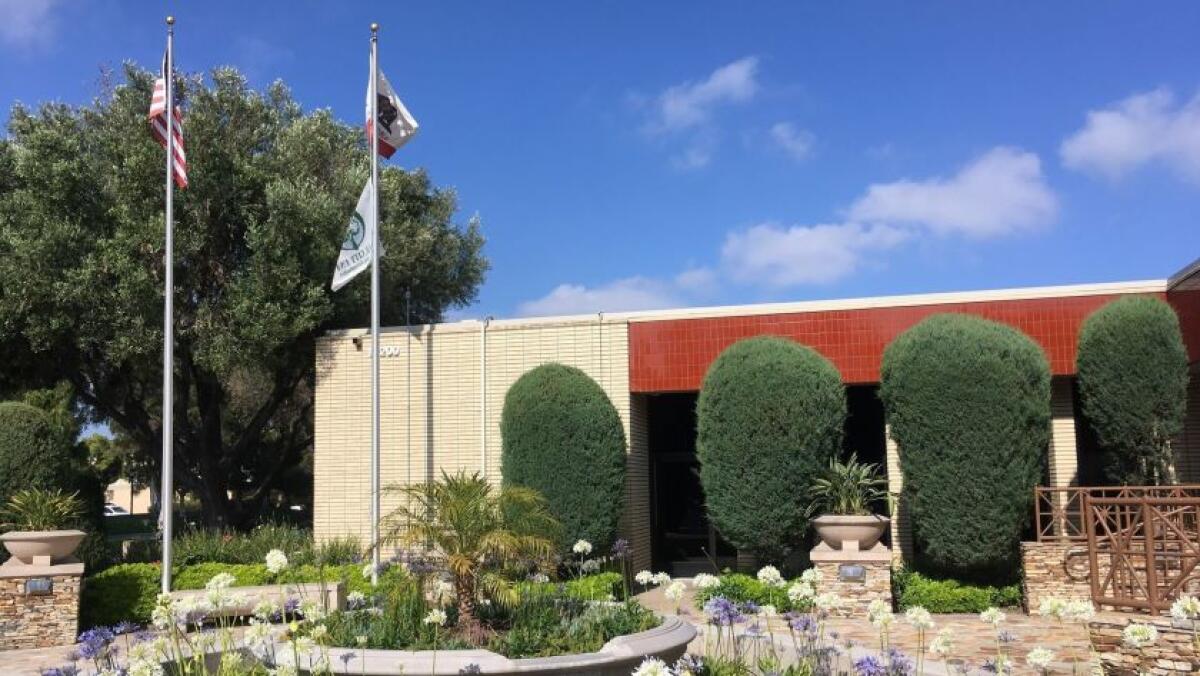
{"x": 639, "y": 155}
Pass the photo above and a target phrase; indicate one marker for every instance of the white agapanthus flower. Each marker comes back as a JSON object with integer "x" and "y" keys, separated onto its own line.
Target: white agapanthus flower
{"x": 589, "y": 566}
{"x": 1139, "y": 635}
{"x": 801, "y": 592}
{"x": 992, "y": 616}
{"x": 1052, "y": 606}
{"x": 770, "y": 576}
{"x": 827, "y": 601}
{"x": 1040, "y": 658}
{"x": 812, "y": 576}
{"x": 942, "y": 644}
{"x": 258, "y": 634}
{"x": 652, "y": 666}
{"x": 539, "y": 577}
{"x": 919, "y": 618}
{"x": 768, "y": 610}
{"x": 311, "y": 610}
{"x": 582, "y": 547}
{"x": 705, "y": 581}
{"x": 879, "y": 614}
{"x": 1186, "y": 608}
{"x": 437, "y": 617}
{"x": 305, "y": 645}
{"x": 674, "y": 591}
{"x": 1079, "y": 610}
{"x": 276, "y": 561}
{"x": 368, "y": 570}
{"x": 644, "y": 577}
{"x": 361, "y": 640}
{"x": 319, "y": 633}
{"x": 661, "y": 579}
{"x": 220, "y": 581}
{"x": 356, "y": 599}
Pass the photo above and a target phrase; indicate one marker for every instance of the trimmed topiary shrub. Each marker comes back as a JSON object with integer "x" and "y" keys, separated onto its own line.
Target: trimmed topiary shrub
{"x": 123, "y": 593}
{"x": 563, "y": 438}
{"x": 31, "y": 453}
{"x": 769, "y": 419}
{"x": 1133, "y": 379}
{"x": 968, "y": 402}
{"x": 913, "y": 589}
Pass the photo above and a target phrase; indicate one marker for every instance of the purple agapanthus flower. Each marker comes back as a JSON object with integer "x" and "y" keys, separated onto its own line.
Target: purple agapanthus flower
{"x": 898, "y": 663}
{"x": 690, "y": 663}
{"x": 620, "y": 548}
{"x": 723, "y": 612}
{"x": 95, "y": 643}
{"x": 125, "y": 628}
{"x": 869, "y": 666}
{"x": 801, "y": 622}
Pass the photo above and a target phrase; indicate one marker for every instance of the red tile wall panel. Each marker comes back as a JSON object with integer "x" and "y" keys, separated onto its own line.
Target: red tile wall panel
{"x": 1186, "y": 301}
{"x": 673, "y": 355}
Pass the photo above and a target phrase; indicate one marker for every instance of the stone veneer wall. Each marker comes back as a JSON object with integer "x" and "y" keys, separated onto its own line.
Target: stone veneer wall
{"x": 39, "y": 621}
{"x": 1173, "y": 653}
{"x": 1054, "y": 569}
{"x": 856, "y": 596}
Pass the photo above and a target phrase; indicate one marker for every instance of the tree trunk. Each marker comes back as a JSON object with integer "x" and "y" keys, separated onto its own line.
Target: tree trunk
{"x": 468, "y": 620}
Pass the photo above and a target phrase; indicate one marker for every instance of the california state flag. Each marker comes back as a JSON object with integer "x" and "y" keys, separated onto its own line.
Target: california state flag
{"x": 396, "y": 125}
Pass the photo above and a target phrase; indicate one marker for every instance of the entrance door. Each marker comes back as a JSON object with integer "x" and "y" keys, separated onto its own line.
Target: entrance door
{"x": 685, "y": 543}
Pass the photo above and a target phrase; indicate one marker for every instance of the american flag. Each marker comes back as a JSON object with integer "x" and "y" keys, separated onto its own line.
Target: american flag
{"x": 158, "y": 126}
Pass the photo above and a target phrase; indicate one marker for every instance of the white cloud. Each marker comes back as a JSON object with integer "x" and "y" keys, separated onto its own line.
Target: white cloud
{"x": 795, "y": 142}
{"x": 1141, "y": 129}
{"x": 1000, "y": 192}
{"x": 802, "y": 254}
{"x": 697, "y": 280}
{"x": 623, "y": 295}
{"x": 27, "y": 23}
{"x": 690, "y": 104}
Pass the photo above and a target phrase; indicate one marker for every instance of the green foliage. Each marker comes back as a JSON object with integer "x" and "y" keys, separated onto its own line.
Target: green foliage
{"x": 226, "y": 546}
{"x": 847, "y": 488}
{"x": 42, "y": 509}
{"x": 951, "y": 596}
{"x": 741, "y": 588}
{"x": 596, "y": 587}
{"x": 1133, "y": 379}
{"x": 31, "y": 454}
{"x": 544, "y": 626}
{"x": 476, "y": 532}
{"x": 400, "y": 626}
{"x": 124, "y": 592}
{"x": 770, "y": 417}
{"x": 560, "y": 432}
{"x": 258, "y": 233}
{"x": 968, "y": 402}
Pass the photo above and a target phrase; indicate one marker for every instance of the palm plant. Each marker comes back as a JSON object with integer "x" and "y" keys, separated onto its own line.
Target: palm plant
{"x": 41, "y": 509}
{"x": 477, "y": 531}
{"x": 847, "y": 488}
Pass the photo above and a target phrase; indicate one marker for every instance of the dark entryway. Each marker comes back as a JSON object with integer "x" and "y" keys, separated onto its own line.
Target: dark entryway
{"x": 684, "y": 542}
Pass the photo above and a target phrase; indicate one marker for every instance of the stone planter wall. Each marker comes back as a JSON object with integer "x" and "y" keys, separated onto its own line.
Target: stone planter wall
{"x": 1173, "y": 653}
{"x": 618, "y": 657}
{"x": 1054, "y": 569}
{"x": 876, "y": 582}
{"x": 38, "y": 620}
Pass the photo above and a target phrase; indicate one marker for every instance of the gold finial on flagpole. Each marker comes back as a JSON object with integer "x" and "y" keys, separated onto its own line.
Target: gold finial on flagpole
{"x": 170, "y": 21}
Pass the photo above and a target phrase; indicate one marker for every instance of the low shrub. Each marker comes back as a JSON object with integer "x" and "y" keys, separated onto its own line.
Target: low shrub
{"x": 911, "y": 588}
{"x": 127, "y": 592}
{"x": 220, "y": 546}
{"x": 741, "y": 588}
{"x": 597, "y": 587}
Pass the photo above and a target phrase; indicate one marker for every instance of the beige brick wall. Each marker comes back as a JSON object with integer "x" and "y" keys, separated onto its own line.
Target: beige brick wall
{"x": 431, "y": 409}
{"x": 1064, "y": 458}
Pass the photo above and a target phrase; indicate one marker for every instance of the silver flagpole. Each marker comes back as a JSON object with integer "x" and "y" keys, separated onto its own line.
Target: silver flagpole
{"x": 166, "y": 498}
{"x": 375, "y": 516}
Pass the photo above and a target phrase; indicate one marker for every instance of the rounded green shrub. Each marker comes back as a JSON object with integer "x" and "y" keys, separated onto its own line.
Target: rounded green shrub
{"x": 122, "y": 593}
{"x": 1133, "y": 379}
{"x": 769, "y": 418}
{"x": 563, "y": 437}
{"x": 968, "y": 403}
{"x": 32, "y": 455}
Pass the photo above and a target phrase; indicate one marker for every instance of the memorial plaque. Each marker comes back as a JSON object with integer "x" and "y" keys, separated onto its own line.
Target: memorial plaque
{"x": 852, "y": 572}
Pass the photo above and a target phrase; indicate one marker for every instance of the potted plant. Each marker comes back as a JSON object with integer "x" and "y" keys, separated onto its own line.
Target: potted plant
{"x": 36, "y": 521}
{"x": 843, "y": 495}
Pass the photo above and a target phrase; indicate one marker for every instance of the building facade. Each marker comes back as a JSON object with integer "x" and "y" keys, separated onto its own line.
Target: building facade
{"x": 443, "y": 388}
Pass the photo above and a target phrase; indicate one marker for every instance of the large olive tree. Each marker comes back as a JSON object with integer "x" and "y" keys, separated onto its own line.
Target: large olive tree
{"x": 256, "y": 237}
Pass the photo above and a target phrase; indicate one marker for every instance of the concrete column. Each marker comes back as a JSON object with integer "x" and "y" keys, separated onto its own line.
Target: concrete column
{"x": 1063, "y": 456}
{"x": 902, "y": 545}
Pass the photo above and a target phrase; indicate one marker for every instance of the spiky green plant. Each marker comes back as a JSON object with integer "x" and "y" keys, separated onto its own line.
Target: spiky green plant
{"x": 847, "y": 488}
{"x": 477, "y": 531}
{"x": 42, "y": 509}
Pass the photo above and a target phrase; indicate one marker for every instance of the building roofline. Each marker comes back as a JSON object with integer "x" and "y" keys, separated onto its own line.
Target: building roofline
{"x": 795, "y": 307}
{"x": 1189, "y": 270}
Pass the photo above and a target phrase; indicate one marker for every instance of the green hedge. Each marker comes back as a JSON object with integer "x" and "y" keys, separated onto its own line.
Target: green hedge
{"x": 950, "y": 596}
{"x": 595, "y": 587}
{"x": 769, "y": 418}
{"x": 1133, "y": 379}
{"x": 563, "y": 437}
{"x": 31, "y": 452}
{"x": 127, "y": 592}
{"x": 742, "y": 588}
{"x": 968, "y": 403}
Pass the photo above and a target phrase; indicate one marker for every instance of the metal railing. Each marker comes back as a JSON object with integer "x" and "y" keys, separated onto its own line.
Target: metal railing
{"x": 1059, "y": 512}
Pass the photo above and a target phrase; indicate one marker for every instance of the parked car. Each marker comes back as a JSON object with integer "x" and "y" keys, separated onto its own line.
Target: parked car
{"x": 114, "y": 510}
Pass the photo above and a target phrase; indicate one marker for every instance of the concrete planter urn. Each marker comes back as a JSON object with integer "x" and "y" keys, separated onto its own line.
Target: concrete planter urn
{"x": 852, "y": 532}
{"x": 30, "y": 546}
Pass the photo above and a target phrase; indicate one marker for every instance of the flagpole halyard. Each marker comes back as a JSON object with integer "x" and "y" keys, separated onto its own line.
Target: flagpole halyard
{"x": 375, "y": 512}
{"x": 167, "y": 489}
